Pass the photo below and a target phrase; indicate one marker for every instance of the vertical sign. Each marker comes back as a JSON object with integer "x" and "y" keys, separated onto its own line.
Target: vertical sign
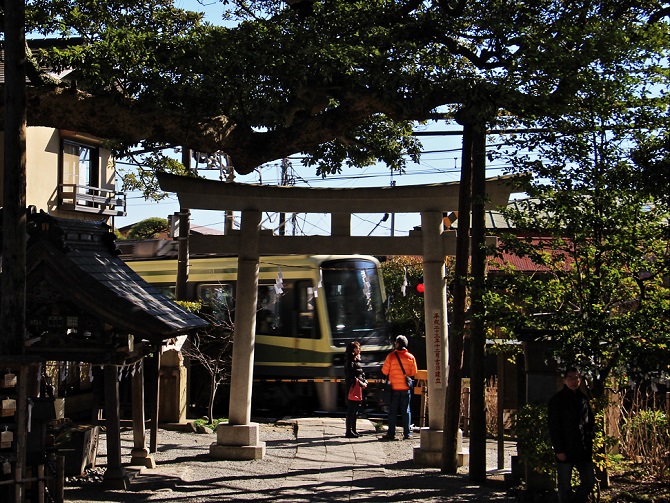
{"x": 436, "y": 334}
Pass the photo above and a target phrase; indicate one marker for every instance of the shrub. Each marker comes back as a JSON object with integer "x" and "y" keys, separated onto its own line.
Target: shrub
{"x": 645, "y": 438}
{"x": 531, "y": 428}
{"x": 148, "y": 228}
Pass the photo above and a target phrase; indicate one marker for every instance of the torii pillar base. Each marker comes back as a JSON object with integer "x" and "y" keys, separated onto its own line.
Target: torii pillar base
{"x": 429, "y": 452}
{"x": 238, "y": 442}
{"x": 142, "y": 457}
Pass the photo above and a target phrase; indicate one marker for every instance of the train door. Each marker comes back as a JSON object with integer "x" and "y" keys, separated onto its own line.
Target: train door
{"x": 287, "y": 327}
{"x": 286, "y": 352}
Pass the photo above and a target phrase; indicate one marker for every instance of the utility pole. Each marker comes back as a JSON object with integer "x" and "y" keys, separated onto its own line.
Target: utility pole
{"x": 228, "y": 224}
{"x": 477, "y": 468}
{"x": 452, "y": 409}
{"x": 182, "y": 238}
{"x": 285, "y": 164}
{"x": 392, "y": 214}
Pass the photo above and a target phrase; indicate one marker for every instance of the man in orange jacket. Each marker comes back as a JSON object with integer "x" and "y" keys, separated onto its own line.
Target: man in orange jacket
{"x": 399, "y": 365}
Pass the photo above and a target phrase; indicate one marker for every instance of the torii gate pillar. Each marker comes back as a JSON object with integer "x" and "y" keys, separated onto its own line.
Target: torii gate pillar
{"x": 429, "y": 451}
{"x": 240, "y": 439}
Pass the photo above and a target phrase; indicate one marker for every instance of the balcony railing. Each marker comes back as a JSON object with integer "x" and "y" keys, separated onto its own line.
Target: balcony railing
{"x": 92, "y": 200}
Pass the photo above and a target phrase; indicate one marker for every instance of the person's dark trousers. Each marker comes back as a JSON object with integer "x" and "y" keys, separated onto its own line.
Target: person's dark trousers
{"x": 352, "y": 413}
{"x": 400, "y": 403}
{"x": 587, "y": 479}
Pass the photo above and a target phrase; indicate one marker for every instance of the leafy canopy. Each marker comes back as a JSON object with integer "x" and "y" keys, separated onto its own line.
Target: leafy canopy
{"x": 601, "y": 244}
{"x": 149, "y": 228}
{"x": 339, "y": 81}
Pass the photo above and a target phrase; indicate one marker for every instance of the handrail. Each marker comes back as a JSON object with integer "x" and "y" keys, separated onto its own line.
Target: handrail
{"x": 90, "y": 199}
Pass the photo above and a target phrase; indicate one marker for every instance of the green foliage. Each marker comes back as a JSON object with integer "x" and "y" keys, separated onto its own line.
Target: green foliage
{"x": 646, "y": 439}
{"x": 343, "y": 81}
{"x": 599, "y": 241}
{"x": 648, "y": 423}
{"x": 405, "y": 313}
{"x": 142, "y": 176}
{"x": 204, "y": 421}
{"x": 148, "y": 228}
{"x": 190, "y": 306}
{"x": 603, "y": 444}
{"x": 380, "y": 140}
{"x": 652, "y": 156}
{"x": 531, "y": 428}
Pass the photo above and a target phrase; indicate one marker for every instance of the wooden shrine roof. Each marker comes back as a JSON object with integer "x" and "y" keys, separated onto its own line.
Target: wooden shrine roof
{"x": 80, "y": 261}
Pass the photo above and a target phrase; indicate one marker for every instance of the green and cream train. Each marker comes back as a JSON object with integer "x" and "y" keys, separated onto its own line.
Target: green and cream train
{"x": 309, "y": 309}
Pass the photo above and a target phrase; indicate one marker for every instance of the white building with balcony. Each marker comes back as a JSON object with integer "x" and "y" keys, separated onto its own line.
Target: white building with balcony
{"x": 70, "y": 175}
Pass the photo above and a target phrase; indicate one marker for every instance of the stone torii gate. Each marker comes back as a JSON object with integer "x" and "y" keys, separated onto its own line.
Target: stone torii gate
{"x": 239, "y": 439}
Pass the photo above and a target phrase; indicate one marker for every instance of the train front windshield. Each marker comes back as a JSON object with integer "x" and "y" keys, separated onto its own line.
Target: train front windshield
{"x": 354, "y": 298}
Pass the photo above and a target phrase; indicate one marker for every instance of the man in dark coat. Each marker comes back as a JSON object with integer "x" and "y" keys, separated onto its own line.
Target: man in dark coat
{"x": 571, "y": 427}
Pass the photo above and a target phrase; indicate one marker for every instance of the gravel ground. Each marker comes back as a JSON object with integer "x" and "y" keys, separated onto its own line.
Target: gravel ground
{"x": 186, "y": 474}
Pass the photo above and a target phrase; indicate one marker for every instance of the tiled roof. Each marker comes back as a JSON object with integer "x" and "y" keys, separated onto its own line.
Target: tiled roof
{"x": 81, "y": 260}
{"x": 526, "y": 264}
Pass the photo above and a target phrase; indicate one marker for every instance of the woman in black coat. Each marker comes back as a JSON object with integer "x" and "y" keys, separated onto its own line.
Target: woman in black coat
{"x": 353, "y": 371}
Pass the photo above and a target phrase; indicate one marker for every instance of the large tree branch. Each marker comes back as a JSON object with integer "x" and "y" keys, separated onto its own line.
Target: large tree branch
{"x": 131, "y": 122}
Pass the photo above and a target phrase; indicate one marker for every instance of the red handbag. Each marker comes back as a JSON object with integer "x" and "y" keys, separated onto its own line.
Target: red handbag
{"x": 355, "y": 392}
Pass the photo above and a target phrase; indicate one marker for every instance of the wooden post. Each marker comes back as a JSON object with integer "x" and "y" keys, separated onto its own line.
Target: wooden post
{"x": 59, "y": 491}
{"x": 500, "y": 392}
{"x": 155, "y": 409}
{"x": 183, "y": 254}
{"x": 140, "y": 454}
{"x": 182, "y": 239}
{"x": 20, "y": 437}
{"x": 40, "y": 483}
{"x": 115, "y": 475}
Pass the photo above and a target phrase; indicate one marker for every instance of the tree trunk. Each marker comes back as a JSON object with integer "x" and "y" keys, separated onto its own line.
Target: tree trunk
{"x": 452, "y": 409}
{"x": 13, "y": 283}
{"x": 212, "y": 394}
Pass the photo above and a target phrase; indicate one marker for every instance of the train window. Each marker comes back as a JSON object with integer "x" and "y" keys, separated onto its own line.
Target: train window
{"x": 353, "y": 296}
{"x": 270, "y": 319}
{"x": 308, "y": 326}
{"x": 218, "y": 301}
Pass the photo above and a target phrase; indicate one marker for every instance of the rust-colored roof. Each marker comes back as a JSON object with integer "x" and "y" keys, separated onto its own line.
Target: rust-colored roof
{"x": 526, "y": 264}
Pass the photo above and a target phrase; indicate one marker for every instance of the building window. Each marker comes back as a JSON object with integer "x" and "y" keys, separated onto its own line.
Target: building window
{"x": 81, "y": 170}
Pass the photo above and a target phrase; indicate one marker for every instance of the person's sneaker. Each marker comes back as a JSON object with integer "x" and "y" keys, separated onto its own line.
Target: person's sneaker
{"x": 407, "y": 437}
{"x": 386, "y": 438}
